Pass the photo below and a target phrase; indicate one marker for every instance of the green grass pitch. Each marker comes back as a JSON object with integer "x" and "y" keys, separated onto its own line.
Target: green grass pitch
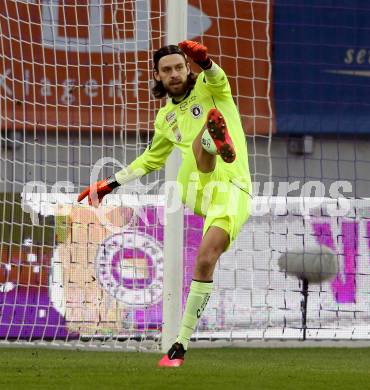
{"x": 227, "y": 368}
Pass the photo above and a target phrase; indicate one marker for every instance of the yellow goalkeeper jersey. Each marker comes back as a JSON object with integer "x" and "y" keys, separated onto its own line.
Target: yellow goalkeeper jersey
{"x": 178, "y": 124}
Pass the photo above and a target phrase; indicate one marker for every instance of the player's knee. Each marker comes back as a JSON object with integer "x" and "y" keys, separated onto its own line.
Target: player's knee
{"x": 205, "y": 263}
{"x": 207, "y": 256}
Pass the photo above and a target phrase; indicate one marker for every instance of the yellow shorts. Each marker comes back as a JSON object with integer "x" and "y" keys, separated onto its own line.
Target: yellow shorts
{"x": 214, "y": 197}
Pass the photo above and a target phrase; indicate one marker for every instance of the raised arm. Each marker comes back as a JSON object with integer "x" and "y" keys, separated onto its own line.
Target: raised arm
{"x": 215, "y": 79}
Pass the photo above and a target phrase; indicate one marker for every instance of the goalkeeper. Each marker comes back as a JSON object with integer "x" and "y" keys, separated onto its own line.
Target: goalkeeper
{"x": 202, "y": 120}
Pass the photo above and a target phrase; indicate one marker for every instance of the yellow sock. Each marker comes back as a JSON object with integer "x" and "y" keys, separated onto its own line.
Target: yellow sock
{"x": 197, "y": 301}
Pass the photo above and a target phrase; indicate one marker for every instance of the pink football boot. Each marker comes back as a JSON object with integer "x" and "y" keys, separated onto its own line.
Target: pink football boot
{"x": 217, "y": 129}
{"x": 174, "y": 357}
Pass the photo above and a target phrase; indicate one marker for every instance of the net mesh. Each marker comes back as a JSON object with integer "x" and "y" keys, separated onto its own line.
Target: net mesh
{"x": 75, "y": 82}
{"x": 75, "y": 93}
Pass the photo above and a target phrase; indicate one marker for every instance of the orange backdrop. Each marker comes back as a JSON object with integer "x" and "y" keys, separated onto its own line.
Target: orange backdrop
{"x": 48, "y": 88}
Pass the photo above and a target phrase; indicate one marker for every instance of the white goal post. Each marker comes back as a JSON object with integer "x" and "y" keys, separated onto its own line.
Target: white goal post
{"x": 174, "y": 227}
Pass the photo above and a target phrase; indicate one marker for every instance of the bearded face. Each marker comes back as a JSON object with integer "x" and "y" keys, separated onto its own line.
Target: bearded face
{"x": 173, "y": 71}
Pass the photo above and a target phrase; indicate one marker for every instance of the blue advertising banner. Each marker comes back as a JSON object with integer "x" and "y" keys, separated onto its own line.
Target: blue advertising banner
{"x": 321, "y": 66}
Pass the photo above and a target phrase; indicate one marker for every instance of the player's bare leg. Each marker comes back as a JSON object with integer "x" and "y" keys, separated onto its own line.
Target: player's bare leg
{"x": 213, "y": 244}
{"x": 206, "y": 161}
{"x": 212, "y": 140}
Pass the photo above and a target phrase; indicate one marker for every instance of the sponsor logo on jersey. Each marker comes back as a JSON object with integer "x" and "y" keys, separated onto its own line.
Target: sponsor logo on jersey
{"x": 171, "y": 116}
{"x": 177, "y": 133}
{"x": 184, "y": 106}
{"x": 196, "y": 110}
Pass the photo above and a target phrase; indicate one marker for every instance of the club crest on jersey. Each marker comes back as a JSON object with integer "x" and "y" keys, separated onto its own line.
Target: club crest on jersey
{"x": 196, "y": 111}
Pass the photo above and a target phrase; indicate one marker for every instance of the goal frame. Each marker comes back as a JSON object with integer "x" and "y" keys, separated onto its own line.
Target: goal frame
{"x": 176, "y": 25}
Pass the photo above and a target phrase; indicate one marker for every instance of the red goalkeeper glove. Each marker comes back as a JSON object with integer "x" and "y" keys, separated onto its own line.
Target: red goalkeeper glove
{"x": 98, "y": 190}
{"x": 197, "y": 52}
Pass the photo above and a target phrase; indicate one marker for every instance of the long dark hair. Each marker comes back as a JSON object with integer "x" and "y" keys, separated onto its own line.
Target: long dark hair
{"x": 158, "y": 89}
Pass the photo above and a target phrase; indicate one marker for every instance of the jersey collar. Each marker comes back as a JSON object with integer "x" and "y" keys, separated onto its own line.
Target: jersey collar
{"x": 186, "y": 96}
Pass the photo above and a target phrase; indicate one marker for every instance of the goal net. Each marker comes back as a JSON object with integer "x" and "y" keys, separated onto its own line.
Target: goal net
{"x": 75, "y": 100}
